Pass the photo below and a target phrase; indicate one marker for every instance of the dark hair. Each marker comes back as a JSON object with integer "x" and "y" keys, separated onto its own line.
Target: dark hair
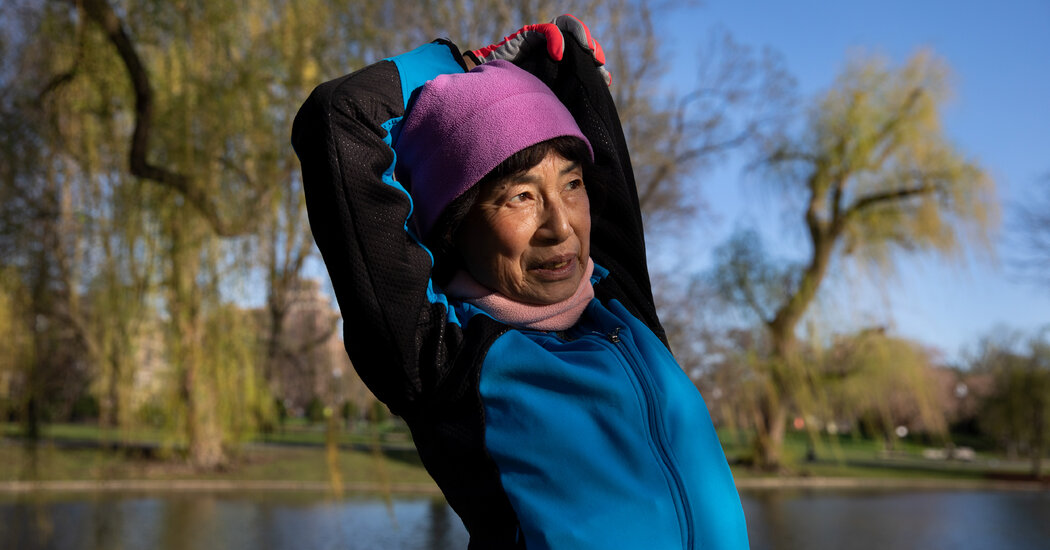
{"x": 441, "y": 239}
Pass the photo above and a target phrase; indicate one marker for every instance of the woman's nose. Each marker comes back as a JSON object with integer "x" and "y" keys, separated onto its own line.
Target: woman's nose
{"x": 555, "y": 226}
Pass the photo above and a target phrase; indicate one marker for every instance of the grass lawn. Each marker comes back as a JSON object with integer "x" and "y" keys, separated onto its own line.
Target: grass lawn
{"x": 72, "y": 452}
{"x": 868, "y": 458}
{"x": 263, "y": 463}
{"x": 294, "y": 432}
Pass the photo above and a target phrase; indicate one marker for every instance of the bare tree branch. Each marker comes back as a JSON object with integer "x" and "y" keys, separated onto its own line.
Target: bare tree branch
{"x": 102, "y": 14}
{"x": 65, "y": 77}
{"x": 870, "y": 201}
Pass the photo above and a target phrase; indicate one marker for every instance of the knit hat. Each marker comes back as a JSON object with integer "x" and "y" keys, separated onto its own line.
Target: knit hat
{"x": 465, "y": 124}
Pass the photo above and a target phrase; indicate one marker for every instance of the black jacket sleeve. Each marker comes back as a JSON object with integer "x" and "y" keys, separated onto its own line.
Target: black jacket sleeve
{"x": 398, "y": 332}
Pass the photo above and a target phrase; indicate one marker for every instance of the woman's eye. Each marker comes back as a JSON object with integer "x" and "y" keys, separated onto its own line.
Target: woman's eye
{"x": 520, "y": 197}
{"x": 575, "y": 184}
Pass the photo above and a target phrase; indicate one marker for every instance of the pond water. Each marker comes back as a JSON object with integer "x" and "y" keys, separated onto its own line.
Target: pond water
{"x": 861, "y": 520}
{"x": 777, "y": 520}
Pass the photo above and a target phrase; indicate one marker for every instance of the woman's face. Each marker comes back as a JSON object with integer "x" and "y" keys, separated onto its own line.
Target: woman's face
{"x": 528, "y": 236}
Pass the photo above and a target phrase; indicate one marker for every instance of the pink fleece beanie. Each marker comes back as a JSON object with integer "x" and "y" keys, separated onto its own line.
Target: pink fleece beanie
{"x": 463, "y": 125}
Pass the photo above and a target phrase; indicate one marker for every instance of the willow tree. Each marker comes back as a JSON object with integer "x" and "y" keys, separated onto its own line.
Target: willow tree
{"x": 154, "y": 149}
{"x": 55, "y": 145}
{"x": 875, "y": 178}
{"x": 881, "y": 382}
{"x": 211, "y": 100}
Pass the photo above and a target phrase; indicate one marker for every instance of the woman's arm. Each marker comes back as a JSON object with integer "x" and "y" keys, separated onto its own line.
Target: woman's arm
{"x": 398, "y": 331}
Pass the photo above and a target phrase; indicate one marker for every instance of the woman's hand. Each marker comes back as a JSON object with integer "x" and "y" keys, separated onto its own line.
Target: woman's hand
{"x": 551, "y": 35}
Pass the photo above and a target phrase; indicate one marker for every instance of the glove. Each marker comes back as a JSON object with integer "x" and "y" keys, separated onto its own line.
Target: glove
{"x": 515, "y": 46}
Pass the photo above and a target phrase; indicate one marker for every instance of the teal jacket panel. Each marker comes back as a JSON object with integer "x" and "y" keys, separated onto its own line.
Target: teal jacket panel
{"x": 603, "y": 442}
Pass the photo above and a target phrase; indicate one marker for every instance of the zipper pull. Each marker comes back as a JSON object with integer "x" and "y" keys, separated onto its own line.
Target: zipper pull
{"x": 614, "y": 336}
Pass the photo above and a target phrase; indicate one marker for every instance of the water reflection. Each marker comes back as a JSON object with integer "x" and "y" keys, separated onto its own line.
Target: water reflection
{"x": 202, "y": 522}
{"x": 777, "y": 520}
{"x": 789, "y": 520}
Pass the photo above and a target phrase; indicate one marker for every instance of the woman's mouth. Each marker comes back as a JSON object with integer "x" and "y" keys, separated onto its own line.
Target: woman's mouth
{"x": 557, "y": 268}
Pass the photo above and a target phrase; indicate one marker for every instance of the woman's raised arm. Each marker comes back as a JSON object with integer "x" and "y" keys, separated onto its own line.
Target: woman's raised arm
{"x": 397, "y": 330}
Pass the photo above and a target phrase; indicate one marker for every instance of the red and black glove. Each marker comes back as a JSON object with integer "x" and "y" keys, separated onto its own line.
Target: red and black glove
{"x": 552, "y": 36}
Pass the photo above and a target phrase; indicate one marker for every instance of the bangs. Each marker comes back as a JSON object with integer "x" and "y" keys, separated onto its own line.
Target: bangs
{"x": 568, "y": 147}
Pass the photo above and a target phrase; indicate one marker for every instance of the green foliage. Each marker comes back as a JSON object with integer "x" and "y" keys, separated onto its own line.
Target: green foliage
{"x": 349, "y": 412}
{"x": 230, "y": 354}
{"x": 315, "y": 410}
{"x": 378, "y": 413}
{"x": 15, "y": 346}
{"x": 85, "y": 407}
{"x": 153, "y": 415}
{"x": 281, "y": 410}
{"x": 883, "y": 382}
{"x": 1016, "y": 413}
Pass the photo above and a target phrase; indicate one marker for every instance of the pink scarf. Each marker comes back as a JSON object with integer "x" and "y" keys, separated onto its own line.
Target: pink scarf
{"x": 559, "y": 316}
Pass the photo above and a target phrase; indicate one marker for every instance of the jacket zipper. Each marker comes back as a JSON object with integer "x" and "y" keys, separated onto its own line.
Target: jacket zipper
{"x": 656, "y": 427}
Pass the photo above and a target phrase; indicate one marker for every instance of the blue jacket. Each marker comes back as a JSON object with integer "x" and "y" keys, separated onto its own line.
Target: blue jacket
{"x": 591, "y": 437}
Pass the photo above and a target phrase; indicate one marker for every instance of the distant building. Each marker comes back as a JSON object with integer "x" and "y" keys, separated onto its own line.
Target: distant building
{"x": 310, "y": 359}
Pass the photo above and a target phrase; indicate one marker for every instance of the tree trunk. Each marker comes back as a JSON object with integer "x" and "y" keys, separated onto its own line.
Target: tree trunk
{"x": 203, "y": 432}
{"x": 1038, "y": 446}
{"x": 40, "y": 306}
{"x": 110, "y": 413}
{"x": 774, "y": 408}
{"x": 769, "y": 442}
{"x": 331, "y": 446}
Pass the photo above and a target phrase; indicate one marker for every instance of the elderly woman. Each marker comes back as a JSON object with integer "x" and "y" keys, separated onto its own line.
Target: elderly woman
{"x": 484, "y": 240}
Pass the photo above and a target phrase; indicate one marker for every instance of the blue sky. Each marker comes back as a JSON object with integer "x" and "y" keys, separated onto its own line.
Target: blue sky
{"x": 1000, "y": 115}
